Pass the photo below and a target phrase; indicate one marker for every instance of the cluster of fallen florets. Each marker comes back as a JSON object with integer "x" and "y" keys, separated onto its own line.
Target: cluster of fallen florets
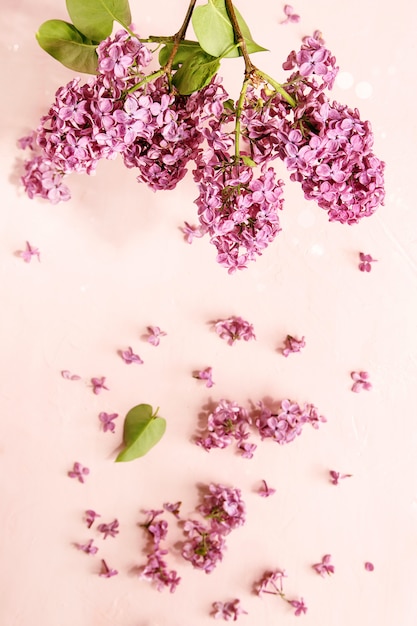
{"x": 228, "y": 423}
{"x": 325, "y": 146}
{"x": 221, "y": 510}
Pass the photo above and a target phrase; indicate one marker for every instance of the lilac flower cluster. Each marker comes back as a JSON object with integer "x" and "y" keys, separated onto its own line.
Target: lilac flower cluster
{"x": 282, "y": 422}
{"x": 224, "y": 510}
{"x": 233, "y": 329}
{"x": 120, "y": 111}
{"x": 325, "y": 145}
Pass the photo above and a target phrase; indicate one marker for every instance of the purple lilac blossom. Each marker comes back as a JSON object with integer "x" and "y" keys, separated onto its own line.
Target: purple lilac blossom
{"x": 361, "y": 381}
{"x": 292, "y": 345}
{"x": 109, "y": 530}
{"x": 30, "y": 251}
{"x": 365, "y": 262}
{"x": 129, "y": 356}
{"x": 291, "y": 16}
{"x": 79, "y": 471}
{"x": 88, "y": 547}
{"x": 228, "y": 611}
{"x": 234, "y": 329}
{"x": 324, "y": 567}
{"x": 206, "y": 375}
{"x": 107, "y": 422}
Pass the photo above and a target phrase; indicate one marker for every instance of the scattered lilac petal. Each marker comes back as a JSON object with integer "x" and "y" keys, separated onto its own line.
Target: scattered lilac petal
{"x": 206, "y": 375}
{"x": 361, "y": 381}
{"x": 324, "y": 567}
{"x": 98, "y": 384}
{"x": 299, "y": 606}
{"x": 90, "y": 517}
{"x": 290, "y": 15}
{"x": 173, "y": 507}
{"x": 365, "y": 262}
{"x": 129, "y": 356}
{"x": 336, "y": 476}
{"x": 247, "y": 449}
{"x": 107, "y": 421}
{"x": 106, "y": 571}
{"x": 228, "y": 610}
{"x": 191, "y": 231}
{"x": 88, "y": 548}
{"x": 79, "y": 471}
{"x": 293, "y": 345}
{"x": 30, "y": 251}
{"x": 369, "y": 566}
{"x": 154, "y": 335}
{"x": 266, "y": 491}
{"x": 68, "y": 376}
{"x": 109, "y": 530}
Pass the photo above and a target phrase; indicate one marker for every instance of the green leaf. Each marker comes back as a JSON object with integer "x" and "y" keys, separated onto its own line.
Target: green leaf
{"x": 214, "y": 31}
{"x": 185, "y": 50}
{"x": 195, "y": 73}
{"x": 66, "y": 44}
{"x": 142, "y": 431}
{"x": 94, "y": 18}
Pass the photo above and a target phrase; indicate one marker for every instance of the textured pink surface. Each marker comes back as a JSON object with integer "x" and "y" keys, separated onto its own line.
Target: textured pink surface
{"x": 113, "y": 261}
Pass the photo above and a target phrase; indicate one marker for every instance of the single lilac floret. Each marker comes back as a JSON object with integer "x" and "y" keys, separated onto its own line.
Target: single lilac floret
{"x": 79, "y": 471}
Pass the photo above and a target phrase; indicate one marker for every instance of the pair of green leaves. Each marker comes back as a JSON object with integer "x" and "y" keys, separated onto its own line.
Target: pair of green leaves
{"x": 142, "y": 430}
{"x": 199, "y": 61}
{"x": 74, "y": 45}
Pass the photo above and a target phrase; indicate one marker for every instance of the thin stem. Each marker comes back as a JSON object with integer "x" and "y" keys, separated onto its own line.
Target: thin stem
{"x": 179, "y": 36}
{"x": 147, "y": 80}
{"x": 277, "y": 86}
{"x": 239, "y": 39}
{"x": 239, "y": 108}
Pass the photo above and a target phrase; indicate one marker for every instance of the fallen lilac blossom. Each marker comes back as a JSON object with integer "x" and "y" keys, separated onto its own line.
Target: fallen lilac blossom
{"x": 106, "y": 571}
{"x": 336, "y": 476}
{"x": 68, "y": 376}
{"x": 107, "y": 422}
{"x": 290, "y": 15}
{"x": 265, "y": 491}
{"x": 129, "y": 356}
{"x": 98, "y": 384}
{"x": 366, "y": 261}
{"x": 109, "y": 530}
{"x": 154, "y": 335}
{"x": 361, "y": 381}
{"x": 90, "y": 517}
{"x": 206, "y": 375}
{"x": 234, "y": 329}
{"x": 78, "y": 472}
{"x": 292, "y": 345}
{"x": 88, "y": 547}
{"x": 324, "y": 567}
{"x": 30, "y": 251}
{"x": 228, "y": 610}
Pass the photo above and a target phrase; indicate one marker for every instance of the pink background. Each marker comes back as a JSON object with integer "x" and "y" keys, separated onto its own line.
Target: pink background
{"x": 113, "y": 261}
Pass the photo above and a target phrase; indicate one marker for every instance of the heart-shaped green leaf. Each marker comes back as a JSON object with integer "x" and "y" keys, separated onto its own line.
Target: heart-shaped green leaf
{"x": 195, "y": 73}
{"x": 94, "y": 18}
{"x": 66, "y": 44}
{"x": 142, "y": 431}
{"x": 214, "y": 30}
{"x": 185, "y": 50}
